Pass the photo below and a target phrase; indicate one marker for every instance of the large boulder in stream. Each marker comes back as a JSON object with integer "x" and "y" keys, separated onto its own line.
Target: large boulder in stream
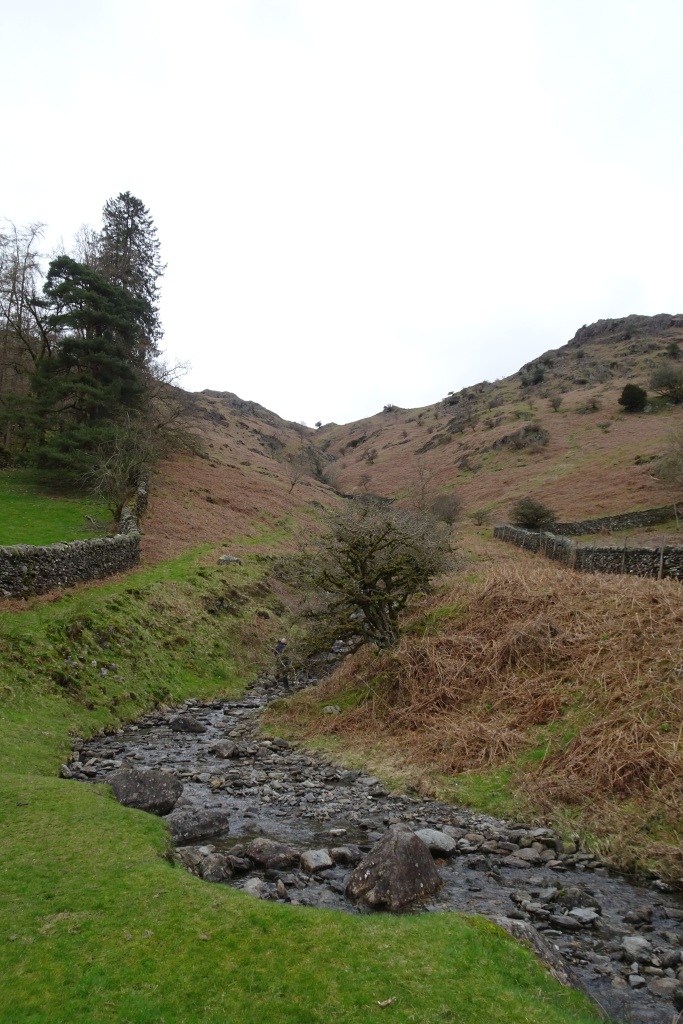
{"x": 398, "y": 871}
{"x": 190, "y": 824}
{"x": 271, "y": 855}
{"x": 147, "y": 789}
{"x": 186, "y": 723}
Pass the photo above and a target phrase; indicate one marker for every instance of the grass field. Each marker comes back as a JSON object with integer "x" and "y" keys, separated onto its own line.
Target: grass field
{"x": 97, "y": 926}
{"x": 32, "y": 514}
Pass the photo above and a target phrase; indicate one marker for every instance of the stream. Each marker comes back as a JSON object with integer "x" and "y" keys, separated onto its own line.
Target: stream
{"x": 621, "y": 940}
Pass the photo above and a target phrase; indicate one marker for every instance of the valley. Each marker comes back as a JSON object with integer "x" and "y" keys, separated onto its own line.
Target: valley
{"x": 517, "y": 691}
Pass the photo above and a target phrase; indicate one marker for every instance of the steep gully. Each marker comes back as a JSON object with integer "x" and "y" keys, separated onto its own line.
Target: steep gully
{"x": 622, "y": 942}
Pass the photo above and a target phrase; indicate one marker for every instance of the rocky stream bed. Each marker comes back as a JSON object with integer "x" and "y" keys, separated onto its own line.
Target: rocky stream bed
{"x": 284, "y": 824}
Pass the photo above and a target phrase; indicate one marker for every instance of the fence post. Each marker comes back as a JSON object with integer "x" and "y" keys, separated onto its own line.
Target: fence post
{"x": 661, "y": 563}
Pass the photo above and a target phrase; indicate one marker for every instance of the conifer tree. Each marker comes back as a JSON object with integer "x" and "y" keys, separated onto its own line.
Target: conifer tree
{"x": 94, "y": 375}
{"x": 129, "y": 257}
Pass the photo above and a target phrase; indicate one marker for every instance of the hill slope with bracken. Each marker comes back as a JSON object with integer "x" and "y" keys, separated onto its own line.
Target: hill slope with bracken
{"x": 554, "y": 430}
{"x": 242, "y": 479}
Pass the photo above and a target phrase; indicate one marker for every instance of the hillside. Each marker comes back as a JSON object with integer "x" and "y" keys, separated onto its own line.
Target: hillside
{"x": 238, "y": 484}
{"x": 490, "y": 444}
{"x": 594, "y": 460}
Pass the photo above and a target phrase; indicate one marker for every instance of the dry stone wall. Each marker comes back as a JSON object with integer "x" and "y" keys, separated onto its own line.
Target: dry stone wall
{"x": 27, "y": 569}
{"x": 659, "y": 562}
{"x": 646, "y": 517}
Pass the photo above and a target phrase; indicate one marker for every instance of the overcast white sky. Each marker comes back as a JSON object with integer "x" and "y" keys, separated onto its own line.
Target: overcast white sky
{"x": 361, "y": 201}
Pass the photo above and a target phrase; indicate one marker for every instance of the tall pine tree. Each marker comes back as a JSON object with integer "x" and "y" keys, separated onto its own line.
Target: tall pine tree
{"x": 94, "y": 377}
{"x": 129, "y": 257}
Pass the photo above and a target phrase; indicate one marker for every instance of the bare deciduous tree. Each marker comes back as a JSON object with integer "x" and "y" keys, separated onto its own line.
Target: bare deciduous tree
{"x": 298, "y": 466}
{"x": 360, "y": 574}
{"x": 669, "y": 469}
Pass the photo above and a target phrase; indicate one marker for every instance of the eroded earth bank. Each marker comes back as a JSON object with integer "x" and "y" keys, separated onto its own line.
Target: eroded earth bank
{"x": 284, "y": 824}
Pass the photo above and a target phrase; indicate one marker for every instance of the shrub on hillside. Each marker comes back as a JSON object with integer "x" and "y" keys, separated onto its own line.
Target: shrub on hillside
{"x": 533, "y": 437}
{"x": 633, "y": 398}
{"x": 669, "y": 469}
{"x": 667, "y": 381}
{"x": 531, "y": 514}
{"x": 446, "y": 508}
{"x": 361, "y": 572}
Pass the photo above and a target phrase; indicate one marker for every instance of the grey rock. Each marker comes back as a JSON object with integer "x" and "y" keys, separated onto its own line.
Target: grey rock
{"x": 663, "y": 987}
{"x": 636, "y": 981}
{"x": 576, "y": 896}
{"x": 438, "y": 842}
{"x": 635, "y": 947}
{"x": 513, "y": 861}
{"x": 189, "y": 825}
{"x": 229, "y": 560}
{"x": 553, "y": 960}
{"x": 670, "y": 957}
{"x": 216, "y": 868}
{"x": 269, "y": 854}
{"x": 565, "y": 923}
{"x": 397, "y": 872}
{"x": 639, "y": 915}
{"x": 147, "y": 789}
{"x": 348, "y": 855}
{"x": 225, "y": 749}
{"x": 255, "y": 887}
{"x": 529, "y": 854}
{"x": 191, "y": 857}
{"x": 240, "y": 865}
{"x": 313, "y": 861}
{"x": 185, "y": 723}
{"x": 584, "y": 915}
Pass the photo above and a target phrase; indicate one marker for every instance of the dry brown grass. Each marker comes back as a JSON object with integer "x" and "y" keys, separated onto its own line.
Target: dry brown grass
{"x": 575, "y": 683}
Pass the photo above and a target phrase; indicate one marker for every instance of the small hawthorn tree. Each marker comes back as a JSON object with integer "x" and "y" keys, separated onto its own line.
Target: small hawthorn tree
{"x": 359, "y": 575}
{"x": 669, "y": 469}
{"x": 298, "y": 466}
{"x": 446, "y": 508}
{"x": 115, "y": 467}
{"x": 531, "y": 514}
{"x": 633, "y": 398}
{"x": 667, "y": 381}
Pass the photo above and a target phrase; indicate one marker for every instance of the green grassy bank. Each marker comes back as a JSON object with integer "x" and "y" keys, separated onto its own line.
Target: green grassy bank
{"x": 97, "y": 924}
{"x": 32, "y": 514}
